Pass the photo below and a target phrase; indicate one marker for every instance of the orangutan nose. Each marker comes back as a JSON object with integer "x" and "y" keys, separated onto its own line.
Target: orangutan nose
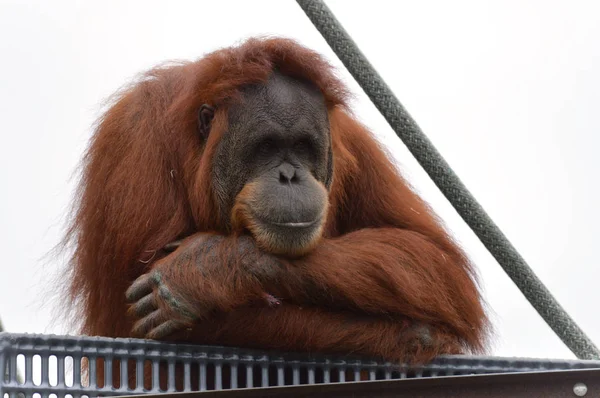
{"x": 287, "y": 173}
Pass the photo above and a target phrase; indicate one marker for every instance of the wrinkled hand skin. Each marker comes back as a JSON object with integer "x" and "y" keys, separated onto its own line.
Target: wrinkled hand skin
{"x": 205, "y": 273}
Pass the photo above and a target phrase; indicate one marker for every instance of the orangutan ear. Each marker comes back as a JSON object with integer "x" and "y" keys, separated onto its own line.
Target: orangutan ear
{"x": 205, "y": 117}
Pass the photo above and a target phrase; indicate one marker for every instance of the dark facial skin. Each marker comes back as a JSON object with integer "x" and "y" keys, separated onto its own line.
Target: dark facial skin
{"x": 277, "y": 154}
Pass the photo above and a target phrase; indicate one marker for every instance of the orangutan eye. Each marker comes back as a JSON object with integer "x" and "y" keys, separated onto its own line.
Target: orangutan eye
{"x": 304, "y": 145}
{"x": 266, "y": 146}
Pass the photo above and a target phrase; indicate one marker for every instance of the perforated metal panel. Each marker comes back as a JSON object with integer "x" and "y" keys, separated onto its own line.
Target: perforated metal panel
{"x": 51, "y": 366}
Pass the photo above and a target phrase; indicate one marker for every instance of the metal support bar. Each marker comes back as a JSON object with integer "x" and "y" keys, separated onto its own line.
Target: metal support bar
{"x": 571, "y": 383}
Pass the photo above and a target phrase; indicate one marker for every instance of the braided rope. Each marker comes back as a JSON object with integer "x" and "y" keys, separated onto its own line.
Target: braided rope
{"x": 447, "y": 181}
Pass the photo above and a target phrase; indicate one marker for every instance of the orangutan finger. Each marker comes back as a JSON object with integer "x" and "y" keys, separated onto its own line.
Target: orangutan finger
{"x": 144, "y": 306}
{"x": 271, "y": 300}
{"x": 141, "y": 287}
{"x": 149, "y": 322}
{"x": 165, "y": 329}
{"x": 173, "y": 302}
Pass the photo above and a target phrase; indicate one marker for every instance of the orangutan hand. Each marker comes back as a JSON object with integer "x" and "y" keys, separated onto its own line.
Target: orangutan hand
{"x": 204, "y": 274}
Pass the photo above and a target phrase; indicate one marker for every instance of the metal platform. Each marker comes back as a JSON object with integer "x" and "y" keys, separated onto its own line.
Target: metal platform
{"x": 52, "y": 368}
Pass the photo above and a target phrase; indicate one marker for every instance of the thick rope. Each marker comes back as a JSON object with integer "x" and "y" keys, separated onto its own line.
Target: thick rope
{"x": 447, "y": 181}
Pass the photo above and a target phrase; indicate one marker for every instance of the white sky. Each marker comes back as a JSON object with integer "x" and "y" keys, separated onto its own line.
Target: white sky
{"x": 508, "y": 91}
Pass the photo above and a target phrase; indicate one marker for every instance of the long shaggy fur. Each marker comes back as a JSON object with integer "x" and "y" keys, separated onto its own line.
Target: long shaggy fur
{"x": 147, "y": 182}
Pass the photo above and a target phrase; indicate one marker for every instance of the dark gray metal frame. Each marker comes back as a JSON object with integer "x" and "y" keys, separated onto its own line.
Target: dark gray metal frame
{"x": 555, "y": 384}
{"x": 274, "y": 369}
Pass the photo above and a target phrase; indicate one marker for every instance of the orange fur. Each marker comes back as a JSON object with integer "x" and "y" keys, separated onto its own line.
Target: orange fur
{"x": 240, "y": 215}
{"x": 385, "y": 259}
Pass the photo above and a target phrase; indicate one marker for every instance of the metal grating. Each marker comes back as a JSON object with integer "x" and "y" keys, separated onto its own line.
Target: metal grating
{"x": 53, "y": 367}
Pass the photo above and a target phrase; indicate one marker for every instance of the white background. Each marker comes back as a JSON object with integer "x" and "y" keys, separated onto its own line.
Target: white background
{"x": 508, "y": 91}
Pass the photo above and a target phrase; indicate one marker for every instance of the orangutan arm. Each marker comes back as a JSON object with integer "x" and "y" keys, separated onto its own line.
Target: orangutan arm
{"x": 206, "y": 274}
{"x": 294, "y": 328}
{"x": 386, "y": 271}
